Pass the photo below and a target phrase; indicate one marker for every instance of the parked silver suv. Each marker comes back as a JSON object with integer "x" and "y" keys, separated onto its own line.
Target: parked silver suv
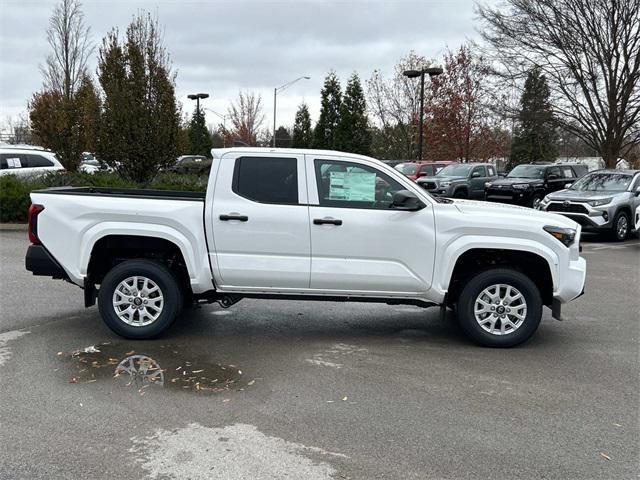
{"x": 601, "y": 201}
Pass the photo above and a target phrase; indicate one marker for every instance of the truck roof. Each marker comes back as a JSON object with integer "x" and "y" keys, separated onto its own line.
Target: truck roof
{"x": 219, "y": 152}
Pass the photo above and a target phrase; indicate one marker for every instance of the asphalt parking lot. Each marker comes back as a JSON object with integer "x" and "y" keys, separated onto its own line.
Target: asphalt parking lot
{"x": 272, "y": 389}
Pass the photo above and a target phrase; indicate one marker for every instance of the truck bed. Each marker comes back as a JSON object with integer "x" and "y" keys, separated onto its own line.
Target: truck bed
{"x": 125, "y": 192}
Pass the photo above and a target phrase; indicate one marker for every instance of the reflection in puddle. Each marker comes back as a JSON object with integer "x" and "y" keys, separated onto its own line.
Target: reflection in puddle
{"x": 153, "y": 366}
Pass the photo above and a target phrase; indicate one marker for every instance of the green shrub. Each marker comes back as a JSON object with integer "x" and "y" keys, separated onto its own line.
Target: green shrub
{"x": 14, "y": 191}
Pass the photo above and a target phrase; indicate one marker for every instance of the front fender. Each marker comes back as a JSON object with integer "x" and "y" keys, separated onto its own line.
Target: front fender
{"x": 452, "y": 252}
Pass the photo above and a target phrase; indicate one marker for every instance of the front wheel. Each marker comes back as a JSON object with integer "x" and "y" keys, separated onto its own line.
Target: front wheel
{"x": 139, "y": 299}
{"x": 535, "y": 201}
{"x": 620, "y": 227}
{"x": 500, "y": 307}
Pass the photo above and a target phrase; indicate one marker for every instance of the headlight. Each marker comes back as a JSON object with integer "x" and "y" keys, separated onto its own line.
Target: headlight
{"x": 602, "y": 201}
{"x": 566, "y": 235}
{"x": 488, "y": 185}
{"x": 445, "y": 184}
{"x": 520, "y": 186}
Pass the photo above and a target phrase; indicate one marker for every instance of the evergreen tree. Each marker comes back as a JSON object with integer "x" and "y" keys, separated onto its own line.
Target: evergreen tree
{"x": 199, "y": 138}
{"x": 535, "y": 137}
{"x": 324, "y": 135}
{"x": 302, "y": 132}
{"x": 139, "y": 130}
{"x": 352, "y": 133}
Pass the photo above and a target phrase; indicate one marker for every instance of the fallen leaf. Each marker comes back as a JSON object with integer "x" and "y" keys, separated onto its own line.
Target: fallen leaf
{"x": 81, "y": 405}
{"x": 329, "y": 401}
{"x": 344, "y": 399}
{"x": 240, "y": 372}
{"x": 178, "y": 368}
{"x": 91, "y": 381}
{"x": 197, "y": 371}
{"x": 130, "y": 353}
{"x": 605, "y": 456}
{"x": 617, "y": 425}
{"x": 225, "y": 400}
{"x": 251, "y": 382}
{"x": 60, "y": 354}
{"x": 73, "y": 380}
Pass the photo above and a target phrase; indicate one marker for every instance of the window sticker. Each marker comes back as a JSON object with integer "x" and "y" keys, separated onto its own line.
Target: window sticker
{"x": 354, "y": 186}
{"x": 14, "y": 163}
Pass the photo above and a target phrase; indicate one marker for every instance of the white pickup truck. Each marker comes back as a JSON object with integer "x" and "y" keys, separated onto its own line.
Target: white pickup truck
{"x": 305, "y": 224}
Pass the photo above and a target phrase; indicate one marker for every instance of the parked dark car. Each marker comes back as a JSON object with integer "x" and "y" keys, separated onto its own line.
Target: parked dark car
{"x": 527, "y": 185}
{"x": 185, "y": 163}
{"x": 415, "y": 170}
{"x": 462, "y": 180}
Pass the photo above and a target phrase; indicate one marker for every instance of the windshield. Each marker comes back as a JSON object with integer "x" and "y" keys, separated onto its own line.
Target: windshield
{"x": 613, "y": 182}
{"x": 527, "y": 171}
{"x": 407, "y": 168}
{"x": 455, "y": 171}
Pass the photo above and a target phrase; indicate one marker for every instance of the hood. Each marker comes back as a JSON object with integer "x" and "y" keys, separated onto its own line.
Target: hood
{"x": 578, "y": 195}
{"x": 512, "y": 180}
{"x": 503, "y": 210}
{"x": 439, "y": 179}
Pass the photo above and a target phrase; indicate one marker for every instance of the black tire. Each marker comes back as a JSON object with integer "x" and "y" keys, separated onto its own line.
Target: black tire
{"x": 162, "y": 277}
{"x": 474, "y": 288}
{"x": 616, "y": 233}
{"x": 461, "y": 193}
{"x": 536, "y": 199}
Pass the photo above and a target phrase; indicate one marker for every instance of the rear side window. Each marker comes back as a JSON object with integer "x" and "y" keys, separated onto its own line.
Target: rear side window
{"x": 479, "y": 170}
{"x": 267, "y": 180}
{"x": 427, "y": 169}
{"x": 568, "y": 172}
{"x": 492, "y": 171}
{"x": 36, "y": 161}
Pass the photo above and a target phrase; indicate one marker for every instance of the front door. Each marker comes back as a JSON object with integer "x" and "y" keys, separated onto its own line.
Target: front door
{"x": 261, "y": 222}
{"x": 477, "y": 179}
{"x": 358, "y": 243}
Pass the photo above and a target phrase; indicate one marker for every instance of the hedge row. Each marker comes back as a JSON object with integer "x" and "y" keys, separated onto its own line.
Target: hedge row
{"x": 14, "y": 191}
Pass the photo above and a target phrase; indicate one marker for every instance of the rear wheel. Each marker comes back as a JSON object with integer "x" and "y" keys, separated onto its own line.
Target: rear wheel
{"x": 535, "y": 201}
{"x": 499, "y": 308}
{"x": 139, "y": 299}
{"x": 620, "y": 227}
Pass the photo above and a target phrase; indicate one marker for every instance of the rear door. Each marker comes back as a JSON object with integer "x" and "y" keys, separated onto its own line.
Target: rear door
{"x": 261, "y": 222}
{"x": 358, "y": 243}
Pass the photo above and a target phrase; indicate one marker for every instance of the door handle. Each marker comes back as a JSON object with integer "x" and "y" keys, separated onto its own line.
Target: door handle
{"x": 226, "y": 218}
{"x": 327, "y": 221}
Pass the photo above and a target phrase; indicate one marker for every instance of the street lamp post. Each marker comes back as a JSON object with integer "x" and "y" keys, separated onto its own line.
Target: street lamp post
{"x": 197, "y": 97}
{"x": 275, "y": 96}
{"x": 432, "y": 72}
{"x": 224, "y": 124}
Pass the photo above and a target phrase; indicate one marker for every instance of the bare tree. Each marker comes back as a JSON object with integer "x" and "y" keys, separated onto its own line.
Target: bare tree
{"x": 71, "y": 46}
{"x": 17, "y": 130}
{"x": 589, "y": 51}
{"x": 247, "y": 117}
{"x": 394, "y": 104}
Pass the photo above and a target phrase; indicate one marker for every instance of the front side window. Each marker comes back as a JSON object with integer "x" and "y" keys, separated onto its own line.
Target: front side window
{"x": 351, "y": 185}
{"x": 11, "y": 160}
{"x": 479, "y": 170}
{"x": 427, "y": 169}
{"x": 267, "y": 180}
{"x": 554, "y": 173}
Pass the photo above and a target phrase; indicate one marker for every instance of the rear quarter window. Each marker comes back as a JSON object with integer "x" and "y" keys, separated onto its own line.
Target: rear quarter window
{"x": 33, "y": 161}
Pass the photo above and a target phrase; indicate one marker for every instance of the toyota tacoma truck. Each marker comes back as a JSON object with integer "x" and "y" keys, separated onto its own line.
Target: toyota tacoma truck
{"x": 305, "y": 225}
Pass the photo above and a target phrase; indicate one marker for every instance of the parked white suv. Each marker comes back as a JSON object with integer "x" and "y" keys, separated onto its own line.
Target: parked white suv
{"x": 27, "y": 161}
{"x": 305, "y": 225}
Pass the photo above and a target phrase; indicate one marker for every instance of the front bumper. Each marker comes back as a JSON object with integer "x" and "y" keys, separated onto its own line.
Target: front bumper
{"x": 508, "y": 195}
{"x": 590, "y": 218}
{"x": 436, "y": 190}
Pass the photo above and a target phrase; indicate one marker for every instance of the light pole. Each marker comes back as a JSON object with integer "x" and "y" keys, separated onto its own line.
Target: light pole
{"x": 275, "y": 95}
{"x": 432, "y": 72}
{"x": 197, "y": 97}
{"x": 224, "y": 124}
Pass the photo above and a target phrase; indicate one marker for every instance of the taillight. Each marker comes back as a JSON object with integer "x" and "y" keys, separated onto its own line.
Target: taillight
{"x": 34, "y": 210}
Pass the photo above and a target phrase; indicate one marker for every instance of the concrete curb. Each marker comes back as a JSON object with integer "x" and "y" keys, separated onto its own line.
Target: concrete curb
{"x": 13, "y": 227}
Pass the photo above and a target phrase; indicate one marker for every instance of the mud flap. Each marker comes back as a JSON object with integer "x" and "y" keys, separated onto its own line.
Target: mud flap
{"x": 556, "y": 310}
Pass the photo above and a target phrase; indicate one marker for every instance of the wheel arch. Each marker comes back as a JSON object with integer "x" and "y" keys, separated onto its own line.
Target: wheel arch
{"x": 537, "y": 262}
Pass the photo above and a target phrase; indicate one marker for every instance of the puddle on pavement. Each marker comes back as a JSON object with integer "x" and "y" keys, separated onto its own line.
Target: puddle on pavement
{"x": 153, "y": 367}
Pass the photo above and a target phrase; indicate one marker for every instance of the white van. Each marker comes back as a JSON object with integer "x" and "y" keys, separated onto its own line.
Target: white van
{"x": 27, "y": 161}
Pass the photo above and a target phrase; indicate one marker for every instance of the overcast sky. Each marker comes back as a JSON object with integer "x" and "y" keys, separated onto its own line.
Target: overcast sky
{"x": 221, "y": 47}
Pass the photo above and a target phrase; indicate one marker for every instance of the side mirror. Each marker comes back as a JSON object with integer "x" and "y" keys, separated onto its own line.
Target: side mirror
{"x": 406, "y": 200}
{"x": 637, "y": 192}
{"x": 475, "y": 174}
